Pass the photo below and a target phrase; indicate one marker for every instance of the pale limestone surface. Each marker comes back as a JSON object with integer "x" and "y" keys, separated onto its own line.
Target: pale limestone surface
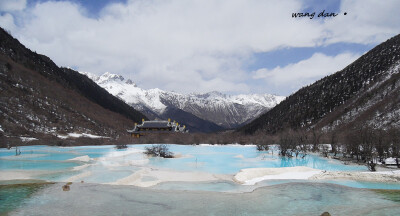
{"x": 84, "y": 158}
{"x": 253, "y": 175}
{"x": 138, "y": 178}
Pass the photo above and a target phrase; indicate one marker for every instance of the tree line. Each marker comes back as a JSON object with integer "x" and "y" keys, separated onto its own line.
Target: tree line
{"x": 362, "y": 144}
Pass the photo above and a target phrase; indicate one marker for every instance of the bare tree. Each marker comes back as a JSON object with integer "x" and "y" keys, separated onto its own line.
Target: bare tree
{"x": 300, "y": 144}
{"x": 334, "y": 142}
{"x": 160, "y": 150}
{"x": 315, "y": 139}
{"x": 121, "y": 146}
{"x": 286, "y": 143}
{"x": 394, "y": 139}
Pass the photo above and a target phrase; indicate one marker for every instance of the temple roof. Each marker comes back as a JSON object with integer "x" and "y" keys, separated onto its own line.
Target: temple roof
{"x": 158, "y": 127}
{"x": 155, "y": 124}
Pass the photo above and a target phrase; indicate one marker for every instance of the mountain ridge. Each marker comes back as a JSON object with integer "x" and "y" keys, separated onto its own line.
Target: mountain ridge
{"x": 42, "y": 100}
{"x": 227, "y": 111}
{"x": 308, "y": 107}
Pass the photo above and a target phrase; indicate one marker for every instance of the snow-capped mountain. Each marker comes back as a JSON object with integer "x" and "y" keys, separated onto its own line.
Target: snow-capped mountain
{"x": 225, "y": 110}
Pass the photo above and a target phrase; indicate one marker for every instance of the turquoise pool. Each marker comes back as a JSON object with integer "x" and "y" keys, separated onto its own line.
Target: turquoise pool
{"x": 208, "y": 158}
{"x": 108, "y": 165}
{"x": 231, "y": 159}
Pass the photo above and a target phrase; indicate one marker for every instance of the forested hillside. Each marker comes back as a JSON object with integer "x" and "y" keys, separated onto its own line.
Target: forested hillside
{"x": 42, "y": 101}
{"x": 367, "y": 88}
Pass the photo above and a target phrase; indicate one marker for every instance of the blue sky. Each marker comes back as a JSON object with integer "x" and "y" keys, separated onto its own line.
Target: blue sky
{"x": 93, "y": 7}
{"x": 232, "y": 46}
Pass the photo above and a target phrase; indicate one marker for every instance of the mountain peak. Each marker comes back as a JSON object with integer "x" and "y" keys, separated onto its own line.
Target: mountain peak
{"x": 106, "y": 77}
{"x": 91, "y": 76}
{"x": 212, "y": 94}
{"x": 224, "y": 110}
{"x": 130, "y": 82}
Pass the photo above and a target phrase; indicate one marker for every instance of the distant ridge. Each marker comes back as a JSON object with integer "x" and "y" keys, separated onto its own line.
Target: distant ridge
{"x": 224, "y": 111}
{"x": 192, "y": 122}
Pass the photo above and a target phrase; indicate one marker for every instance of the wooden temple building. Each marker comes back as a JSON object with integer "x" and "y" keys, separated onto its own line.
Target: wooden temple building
{"x": 152, "y": 127}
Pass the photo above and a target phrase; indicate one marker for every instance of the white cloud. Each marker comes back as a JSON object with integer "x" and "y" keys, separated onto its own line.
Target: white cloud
{"x": 7, "y": 22}
{"x": 12, "y": 5}
{"x": 296, "y": 75}
{"x": 185, "y": 46}
{"x": 196, "y": 46}
{"x": 367, "y": 21}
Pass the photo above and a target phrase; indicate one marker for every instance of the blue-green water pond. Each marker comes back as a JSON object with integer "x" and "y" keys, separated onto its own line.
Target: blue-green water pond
{"x": 107, "y": 165}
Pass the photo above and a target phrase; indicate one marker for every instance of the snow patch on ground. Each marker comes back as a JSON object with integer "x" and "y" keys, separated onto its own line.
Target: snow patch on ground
{"x": 391, "y": 161}
{"x": 77, "y": 135}
{"x": 1, "y": 129}
{"x": 236, "y": 145}
{"x": 27, "y": 139}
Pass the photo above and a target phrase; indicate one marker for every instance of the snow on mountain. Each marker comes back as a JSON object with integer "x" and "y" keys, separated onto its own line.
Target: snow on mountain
{"x": 129, "y": 92}
{"x": 364, "y": 93}
{"x": 225, "y": 110}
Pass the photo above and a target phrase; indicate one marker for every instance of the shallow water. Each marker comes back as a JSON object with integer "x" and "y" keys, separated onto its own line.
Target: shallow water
{"x": 283, "y": 199}
{"x": 231, "y": 159}
{"x": 231, "y": 187}
{"x": 277, "y": 197}
{"x": 110, "y": 164}
{"x": 215, "y": 159}
{"x": 13, "y": 195}
{"x": 218, "y": 186}
{"x": 35, "y": 164}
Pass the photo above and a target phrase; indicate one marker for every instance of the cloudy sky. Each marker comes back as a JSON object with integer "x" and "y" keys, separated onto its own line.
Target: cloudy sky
{"x": 232, "y": 46}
